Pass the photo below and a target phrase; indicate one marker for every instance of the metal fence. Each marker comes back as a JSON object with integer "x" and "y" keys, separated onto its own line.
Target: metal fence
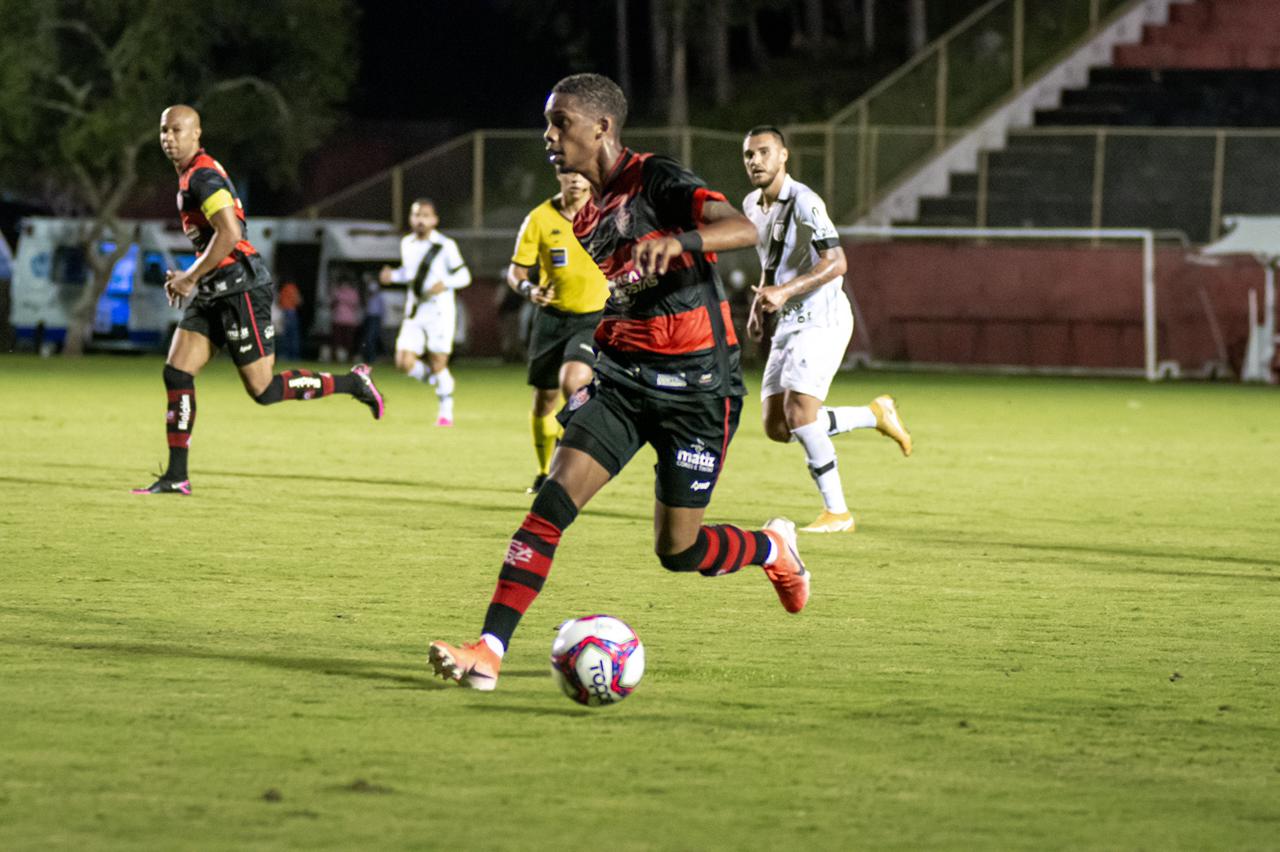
{"x": 490, "y": 178}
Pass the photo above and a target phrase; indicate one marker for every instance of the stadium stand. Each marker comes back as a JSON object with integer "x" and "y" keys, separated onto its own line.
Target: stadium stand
{"x": 1171, "y": 137}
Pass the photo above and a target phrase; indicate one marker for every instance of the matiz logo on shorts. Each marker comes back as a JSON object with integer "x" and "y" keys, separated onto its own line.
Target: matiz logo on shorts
{"x": 696, "y": 458}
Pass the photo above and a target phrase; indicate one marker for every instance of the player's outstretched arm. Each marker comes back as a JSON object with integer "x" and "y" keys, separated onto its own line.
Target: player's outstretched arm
{"x": 723, "y": 228}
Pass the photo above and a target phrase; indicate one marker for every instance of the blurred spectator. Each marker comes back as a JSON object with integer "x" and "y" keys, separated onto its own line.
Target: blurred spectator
{"x": 290, "y": 299}
{"x": 375, "y": 308}
{"x": 344, "y": 313}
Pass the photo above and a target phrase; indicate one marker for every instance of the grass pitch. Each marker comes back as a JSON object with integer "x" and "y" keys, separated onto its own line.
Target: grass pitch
{"x": 1055, "y": 628}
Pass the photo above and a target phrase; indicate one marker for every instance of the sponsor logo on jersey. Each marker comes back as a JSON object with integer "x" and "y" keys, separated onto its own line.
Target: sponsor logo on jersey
{"x": 624, "y": 288}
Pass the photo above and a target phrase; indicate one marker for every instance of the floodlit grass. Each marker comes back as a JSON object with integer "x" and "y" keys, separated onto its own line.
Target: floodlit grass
{"x": 1056, "y": 628}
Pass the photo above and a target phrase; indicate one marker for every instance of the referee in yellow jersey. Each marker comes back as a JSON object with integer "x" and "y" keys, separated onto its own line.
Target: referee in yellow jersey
{"x": 551, "y": 269}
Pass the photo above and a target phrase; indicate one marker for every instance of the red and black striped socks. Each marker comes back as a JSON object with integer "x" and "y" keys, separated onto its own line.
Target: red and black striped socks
{"x": 179, "y": 419}
{"x": 304, "y": 385}
{"x": 528, "y": 560}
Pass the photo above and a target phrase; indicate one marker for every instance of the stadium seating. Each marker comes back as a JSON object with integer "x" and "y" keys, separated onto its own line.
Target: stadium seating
{"x": 1212, "y": 66}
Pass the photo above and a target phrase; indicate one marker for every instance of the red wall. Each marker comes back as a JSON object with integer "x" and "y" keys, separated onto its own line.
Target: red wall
{"x": 1052, "y": 305}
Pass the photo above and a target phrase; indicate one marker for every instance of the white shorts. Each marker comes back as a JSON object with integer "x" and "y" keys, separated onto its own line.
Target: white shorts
{"x": 805, "y": 360}
{"x": 421, "y": 335}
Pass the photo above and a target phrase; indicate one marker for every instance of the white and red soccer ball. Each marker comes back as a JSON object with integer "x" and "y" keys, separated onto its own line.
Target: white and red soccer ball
{"x": 597, "y": 660}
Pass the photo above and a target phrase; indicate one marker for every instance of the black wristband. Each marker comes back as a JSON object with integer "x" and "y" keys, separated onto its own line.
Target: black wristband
{"x": 690, "y": 241}
{"x": 526, "y": 287}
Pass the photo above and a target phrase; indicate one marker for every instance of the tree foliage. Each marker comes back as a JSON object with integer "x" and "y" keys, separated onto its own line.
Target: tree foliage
{"x": 83, "y": 82}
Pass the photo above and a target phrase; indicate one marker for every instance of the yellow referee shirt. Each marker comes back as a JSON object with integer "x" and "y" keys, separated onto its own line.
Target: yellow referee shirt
{"x": 546, "y": 240}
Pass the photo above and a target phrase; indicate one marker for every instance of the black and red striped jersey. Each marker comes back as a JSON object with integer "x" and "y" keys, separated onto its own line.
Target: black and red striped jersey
{"x": 671, "y": 334}
{"x": 204, "y": 188}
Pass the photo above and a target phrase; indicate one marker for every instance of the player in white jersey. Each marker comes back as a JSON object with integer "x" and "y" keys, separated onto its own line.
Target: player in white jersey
{"x": 802, "y": 284}
{"x": 432, "y": 267}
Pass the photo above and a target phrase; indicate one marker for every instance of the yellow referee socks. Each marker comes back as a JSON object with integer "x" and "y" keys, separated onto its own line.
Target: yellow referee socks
{"x": 546, "y": 430}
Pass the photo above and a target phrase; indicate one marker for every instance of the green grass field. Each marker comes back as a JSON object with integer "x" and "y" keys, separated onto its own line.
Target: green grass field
{"x": 1056, "y": 628}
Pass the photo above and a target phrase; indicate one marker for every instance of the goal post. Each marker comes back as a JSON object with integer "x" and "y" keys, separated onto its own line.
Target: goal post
{"x": 988, "y": 248}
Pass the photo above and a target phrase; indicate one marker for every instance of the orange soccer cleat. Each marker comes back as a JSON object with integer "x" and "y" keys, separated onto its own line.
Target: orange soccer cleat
{"x": 474, "y": 665}
{"x": 787, "y": 572}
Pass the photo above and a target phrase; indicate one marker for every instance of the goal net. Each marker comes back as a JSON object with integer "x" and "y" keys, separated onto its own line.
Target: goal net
{"x": 1044, "y": 300}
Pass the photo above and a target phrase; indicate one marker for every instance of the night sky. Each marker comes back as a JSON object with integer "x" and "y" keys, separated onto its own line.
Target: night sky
{"x": 473, "y": 62}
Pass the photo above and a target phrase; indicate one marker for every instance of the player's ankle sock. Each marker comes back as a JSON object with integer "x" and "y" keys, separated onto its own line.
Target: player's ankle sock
{"x": 820, "y": 453}
{"x": 495, "y": 644}
{"x": 303, "y": 385}
{"x": 419, "y": 372}
{"x": 180, "y": 418}
{"x": 846, "y": 418}
{"x": 720, "y": 549}
{"x": 528, "y": 560}
{"x": 545, "y": 432}
{"x": 443, "y": 380}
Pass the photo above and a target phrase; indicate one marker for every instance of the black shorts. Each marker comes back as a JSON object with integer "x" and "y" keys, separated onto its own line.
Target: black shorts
{"x": 241, "y": 322}
{"x": 558, "y": 337}
{"x": 691, "y": 437}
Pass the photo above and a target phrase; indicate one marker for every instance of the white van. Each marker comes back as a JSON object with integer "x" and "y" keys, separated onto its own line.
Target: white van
{"x": 50, "y": 272}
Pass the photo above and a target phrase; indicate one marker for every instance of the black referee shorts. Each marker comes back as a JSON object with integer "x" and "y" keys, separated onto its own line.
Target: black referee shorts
{"x": 558, "y": 337}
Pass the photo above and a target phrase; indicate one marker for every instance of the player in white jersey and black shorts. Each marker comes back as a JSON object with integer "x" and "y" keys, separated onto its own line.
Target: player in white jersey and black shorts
{"x": 432, "y": 267}
{"x": 802, "y": 286}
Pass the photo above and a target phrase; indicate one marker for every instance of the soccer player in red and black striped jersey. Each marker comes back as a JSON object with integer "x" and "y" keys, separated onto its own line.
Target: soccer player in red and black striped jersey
{"x": 231, "y": 306}
{"x": 667, "y": 373}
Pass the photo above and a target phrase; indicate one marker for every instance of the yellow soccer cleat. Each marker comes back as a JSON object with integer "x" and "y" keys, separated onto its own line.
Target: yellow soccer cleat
{"x": 889, "y": 424}
{"x": 831, "y": 522}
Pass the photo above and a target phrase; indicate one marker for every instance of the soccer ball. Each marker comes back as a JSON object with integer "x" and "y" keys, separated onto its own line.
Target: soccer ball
{"x": 597, "y": 660}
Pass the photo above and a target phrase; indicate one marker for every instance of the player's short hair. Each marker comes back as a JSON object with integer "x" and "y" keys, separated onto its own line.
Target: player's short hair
{"x": 425, "y": 202}
{"x": 598, "y": 93}
{"x": 761, "y": 129}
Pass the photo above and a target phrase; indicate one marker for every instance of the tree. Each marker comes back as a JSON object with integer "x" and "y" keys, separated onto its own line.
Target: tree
{"x": 83, "y": 82}
{"x": 917, "y": 27}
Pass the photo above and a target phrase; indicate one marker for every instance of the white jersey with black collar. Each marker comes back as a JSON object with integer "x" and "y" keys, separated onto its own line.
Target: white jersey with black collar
{"x": 805, "y": 231}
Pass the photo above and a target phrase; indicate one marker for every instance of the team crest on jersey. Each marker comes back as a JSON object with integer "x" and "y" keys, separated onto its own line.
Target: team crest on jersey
{"x": 579, "y": 398}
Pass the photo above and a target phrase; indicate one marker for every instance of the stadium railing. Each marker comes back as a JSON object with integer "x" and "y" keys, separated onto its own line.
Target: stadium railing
{"x": 489, "y": 178}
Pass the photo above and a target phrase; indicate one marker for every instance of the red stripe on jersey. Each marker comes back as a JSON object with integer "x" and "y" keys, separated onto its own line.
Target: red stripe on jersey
{"x": 675, "y": 334}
